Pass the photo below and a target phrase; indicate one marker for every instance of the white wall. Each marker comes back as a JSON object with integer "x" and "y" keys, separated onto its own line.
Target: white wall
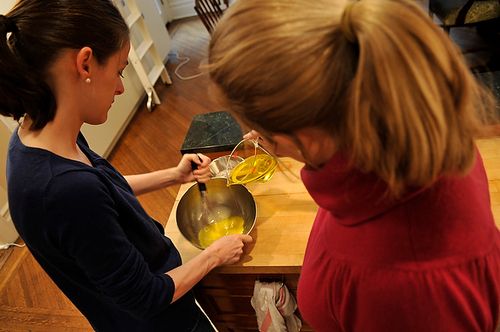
{"x": 8, "y": 233}
{"x": 5, "y": 133}
{"x": 153, "y": 11}
{"x": 181, "y": 8}
{"x": 6, "y": 5}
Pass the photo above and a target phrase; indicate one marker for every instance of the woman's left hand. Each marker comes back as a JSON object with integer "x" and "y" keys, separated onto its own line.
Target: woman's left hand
{"x": 187, "y": 174}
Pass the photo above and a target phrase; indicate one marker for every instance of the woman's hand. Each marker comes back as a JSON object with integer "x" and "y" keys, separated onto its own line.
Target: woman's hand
{"x": 228, "y": 249}
{"x": 252, "y": 134}
{"x": 265, "y": 143}
{"x": 182, "y": 173}
{"x": 280, "y": 145}
{"x": 187, "y": 174}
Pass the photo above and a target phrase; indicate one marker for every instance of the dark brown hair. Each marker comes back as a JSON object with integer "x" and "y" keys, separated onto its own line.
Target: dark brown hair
{"x": 35, "y": 32}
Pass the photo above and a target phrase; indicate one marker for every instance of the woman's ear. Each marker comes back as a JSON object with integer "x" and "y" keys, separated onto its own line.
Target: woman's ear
{"x": 317, "y": 144}
{"x": 285, "y": 145}
{"x": 312, "y": 145}
{"x": 83, "y": 62}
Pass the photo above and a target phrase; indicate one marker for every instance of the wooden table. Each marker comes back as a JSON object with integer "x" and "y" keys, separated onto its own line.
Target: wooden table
{"x": 285, "y": 213}
{"x": 490, "y": 151}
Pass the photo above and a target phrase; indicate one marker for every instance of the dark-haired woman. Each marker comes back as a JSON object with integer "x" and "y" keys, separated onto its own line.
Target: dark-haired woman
{"x": 60, "y": 68}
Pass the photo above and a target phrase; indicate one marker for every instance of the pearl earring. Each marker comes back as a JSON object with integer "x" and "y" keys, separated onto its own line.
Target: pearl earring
{"x": 88, "y": 80}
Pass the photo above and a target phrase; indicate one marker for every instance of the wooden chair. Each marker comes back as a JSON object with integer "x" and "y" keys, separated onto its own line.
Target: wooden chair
{"x": 481, "y": 15}
{"x": 458, "y": 13}
{"x": 209, "y": 11}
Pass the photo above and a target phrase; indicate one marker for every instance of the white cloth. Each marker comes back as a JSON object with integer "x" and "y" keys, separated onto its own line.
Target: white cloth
{"x": 275, "y": 307}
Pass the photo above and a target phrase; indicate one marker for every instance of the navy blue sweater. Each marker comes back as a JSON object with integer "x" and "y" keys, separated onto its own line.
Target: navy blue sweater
{"x": 90, "y": 234}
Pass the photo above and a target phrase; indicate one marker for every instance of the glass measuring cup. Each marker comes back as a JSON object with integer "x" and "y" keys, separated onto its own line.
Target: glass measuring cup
{"x": 258, "y": 164}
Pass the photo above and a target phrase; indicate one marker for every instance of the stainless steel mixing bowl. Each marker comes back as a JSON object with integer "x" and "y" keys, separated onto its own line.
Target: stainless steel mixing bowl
{"x": 234, "y": 200}
{"x": 219, "y": 167}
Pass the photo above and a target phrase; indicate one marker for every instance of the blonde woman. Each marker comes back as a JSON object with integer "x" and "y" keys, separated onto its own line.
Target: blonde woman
{"x": 379, "y": 104}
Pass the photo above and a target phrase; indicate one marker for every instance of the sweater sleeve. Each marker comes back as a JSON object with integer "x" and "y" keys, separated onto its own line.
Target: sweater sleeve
{"x": 85, "y": 225}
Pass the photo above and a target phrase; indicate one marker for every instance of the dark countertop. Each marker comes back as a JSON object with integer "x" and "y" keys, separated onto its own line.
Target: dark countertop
{"x": 212, "y": 132}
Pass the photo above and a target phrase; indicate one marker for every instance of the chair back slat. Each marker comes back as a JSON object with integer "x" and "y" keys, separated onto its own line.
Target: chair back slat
{"x": 209, "y": 11}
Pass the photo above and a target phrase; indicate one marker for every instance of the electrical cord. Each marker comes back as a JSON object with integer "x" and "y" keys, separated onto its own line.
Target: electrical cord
{"x": 4, "y": 246}
{"x": 184, "y": 60}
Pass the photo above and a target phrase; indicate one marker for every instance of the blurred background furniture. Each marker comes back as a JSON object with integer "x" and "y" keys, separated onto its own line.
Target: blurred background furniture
{"x": 476, "y": 30}
{"x": 210, "y": 12}
{"x": 455, "y": 13}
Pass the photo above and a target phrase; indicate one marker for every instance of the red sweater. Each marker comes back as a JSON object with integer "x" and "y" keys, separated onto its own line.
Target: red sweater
{"x": 427, "y": 262}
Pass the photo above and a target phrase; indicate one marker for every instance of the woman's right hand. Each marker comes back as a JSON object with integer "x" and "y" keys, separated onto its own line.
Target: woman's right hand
{"x": 252, "y": 134}
{"x": 228, "y": 249}
{"x": 266, "y": 143}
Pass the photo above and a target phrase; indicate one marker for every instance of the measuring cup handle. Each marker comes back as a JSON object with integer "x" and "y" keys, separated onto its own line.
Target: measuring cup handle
{"x": 201, "y": 186}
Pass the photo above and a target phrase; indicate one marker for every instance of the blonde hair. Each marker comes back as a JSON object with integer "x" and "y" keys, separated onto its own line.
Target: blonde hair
{"x": 378, "y": 75}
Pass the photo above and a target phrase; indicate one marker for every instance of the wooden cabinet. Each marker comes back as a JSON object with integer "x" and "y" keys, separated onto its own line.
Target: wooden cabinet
{"x": 285, "y": 213}
{"x": 226, "y": 299}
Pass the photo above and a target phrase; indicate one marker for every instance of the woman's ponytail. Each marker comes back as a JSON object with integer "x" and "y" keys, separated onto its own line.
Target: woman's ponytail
{"x": 414, "y": 106}
{"x": 22, "y": 90}
{"x": 386, "y": 82}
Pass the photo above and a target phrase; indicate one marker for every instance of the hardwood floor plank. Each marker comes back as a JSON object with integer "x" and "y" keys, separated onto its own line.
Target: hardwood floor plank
{"x": 15, "y": 258}
{"x": 41, "y": 319}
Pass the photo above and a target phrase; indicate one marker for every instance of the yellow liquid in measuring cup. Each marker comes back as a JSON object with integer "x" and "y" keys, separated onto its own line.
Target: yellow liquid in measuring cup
{"x": 259, "y": 167}
{"x": 218, "y": 229}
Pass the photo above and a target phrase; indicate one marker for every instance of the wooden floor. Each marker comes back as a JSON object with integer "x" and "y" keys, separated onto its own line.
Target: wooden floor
{"x": 29, "y": 301}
